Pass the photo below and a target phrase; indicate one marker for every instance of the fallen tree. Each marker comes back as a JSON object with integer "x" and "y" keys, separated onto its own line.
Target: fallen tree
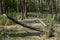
{"x": 22, "y": 24}
{"x": 51, "y": 33}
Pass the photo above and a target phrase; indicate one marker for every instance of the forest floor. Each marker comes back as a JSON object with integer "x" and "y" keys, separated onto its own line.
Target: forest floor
{"x": 27, "y": 34}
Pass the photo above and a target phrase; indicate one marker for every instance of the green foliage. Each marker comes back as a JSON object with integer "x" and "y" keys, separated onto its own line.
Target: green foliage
{"x": 50, "y": 22}
{"x": 5, "y": 21}
{"x": 32, "y": 5}
{"x": 11, "y": 5}
{"x": 58, "y": 17}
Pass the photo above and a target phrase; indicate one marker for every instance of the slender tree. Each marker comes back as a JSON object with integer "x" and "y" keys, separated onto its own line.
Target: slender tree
{"x": 13, "y": 5}
{"x": 19, "y": 5}
{"x": 49, "y": 6}
{"x": 38, "y": 7}
{"x": 55, "y": 7}
{"x": 22, "y": 8}
{"x": 25, "y": 9}
{"x": 41, "y": 6}
{"x": 0, "y": 6}
{"x": 5, "y": 6}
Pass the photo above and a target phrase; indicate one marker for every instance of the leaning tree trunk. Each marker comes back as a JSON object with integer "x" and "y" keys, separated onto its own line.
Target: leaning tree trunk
{"x": 0, "y": 6}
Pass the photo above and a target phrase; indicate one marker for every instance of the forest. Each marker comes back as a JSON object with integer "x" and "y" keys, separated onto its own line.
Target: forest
{"x": 30, "y": 19}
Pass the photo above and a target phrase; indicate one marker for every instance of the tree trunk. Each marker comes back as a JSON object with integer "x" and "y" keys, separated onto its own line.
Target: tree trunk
{"x": 5, "y": 6}
{"x": 25, "y": 9}
{"x": 13, "y": 5}
{"x": 19, "y": 5}
{"x": 0, "y": 6}
{"x": 49, "y": 6}
{"x": 55, "y": 9}
{"x": 41, "y": 6}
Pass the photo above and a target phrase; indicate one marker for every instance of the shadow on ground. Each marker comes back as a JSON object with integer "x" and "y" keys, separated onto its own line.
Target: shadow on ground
{"x": 25, "y": 34}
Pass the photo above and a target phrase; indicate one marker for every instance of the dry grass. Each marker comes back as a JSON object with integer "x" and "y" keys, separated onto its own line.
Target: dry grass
{"x": 28, "y": 34}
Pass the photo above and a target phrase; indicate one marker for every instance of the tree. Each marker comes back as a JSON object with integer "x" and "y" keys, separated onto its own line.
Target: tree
{"x": 0, "y": 6}
{"x": 5, "y": 6}
{"x": 41, "y": 6}
{"x": 19, "y": 5}
{"x": 24, "y": 9}
{"x": 55, "y": 7}
{"x": 37, "y": 5}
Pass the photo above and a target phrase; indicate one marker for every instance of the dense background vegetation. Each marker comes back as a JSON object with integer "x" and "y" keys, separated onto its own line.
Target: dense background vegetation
{"x": 32, "y": 5}
{"x": 30, "y": 8}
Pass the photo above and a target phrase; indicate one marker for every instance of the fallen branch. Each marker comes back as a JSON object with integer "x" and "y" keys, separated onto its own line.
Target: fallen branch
{"x": 36, "y": 19}
{"x": 41, "y": 21}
